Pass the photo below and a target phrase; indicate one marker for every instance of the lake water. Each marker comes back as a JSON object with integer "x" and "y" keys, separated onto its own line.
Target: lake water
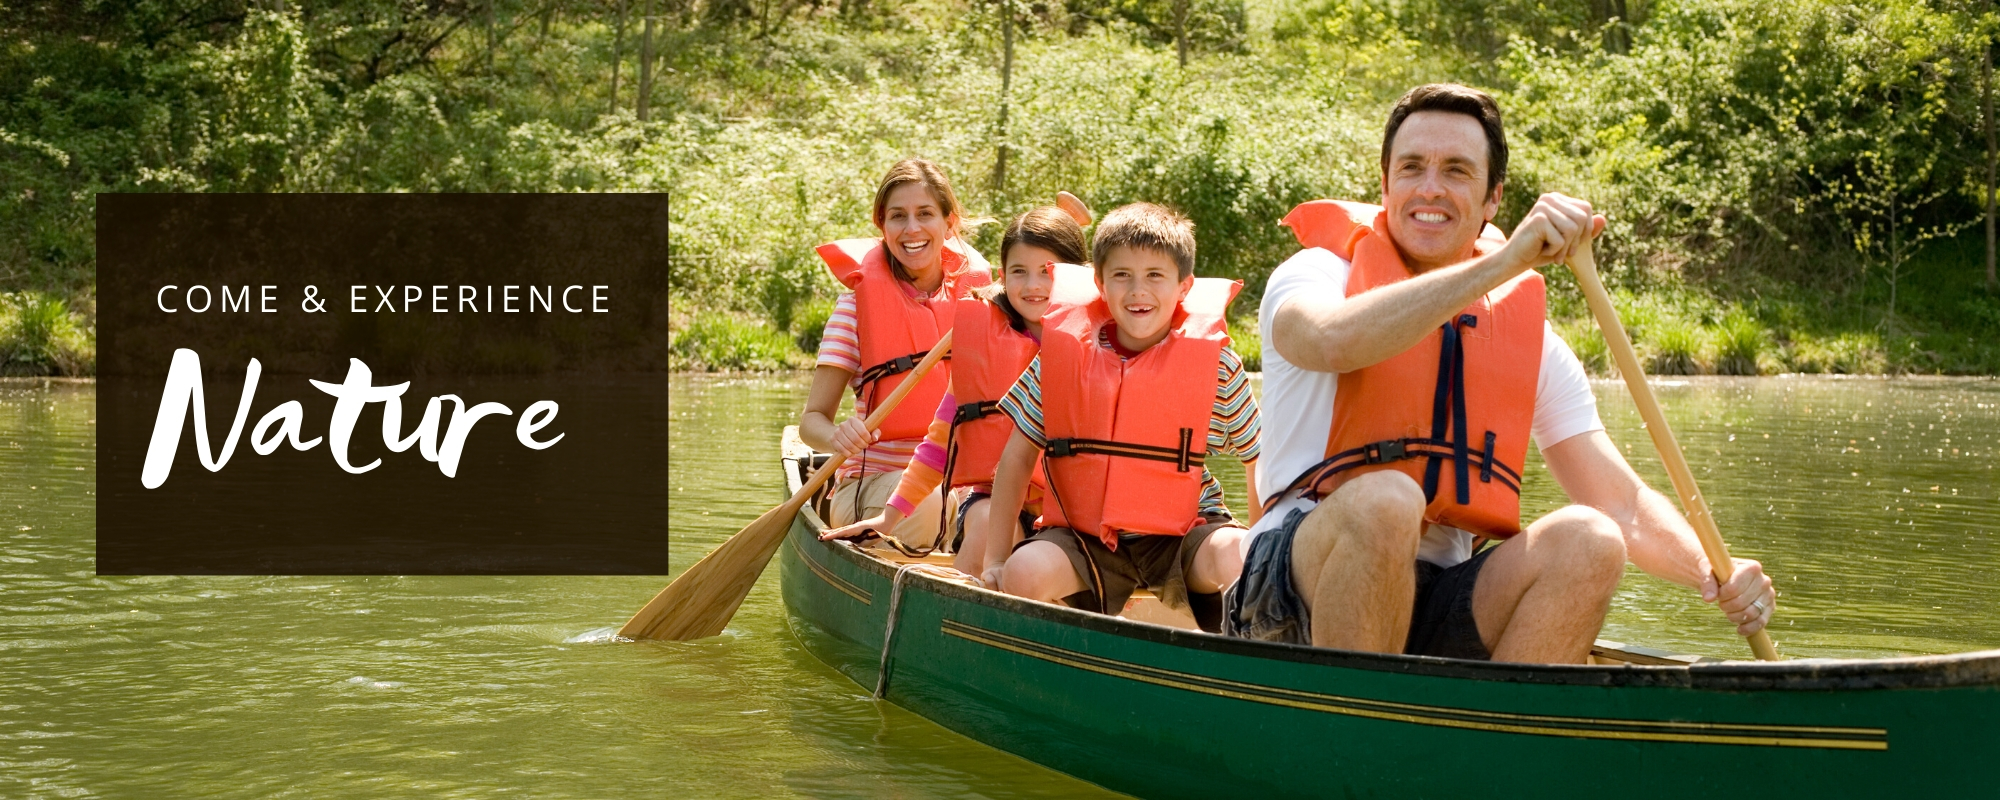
{"x": 1875, "y": 503}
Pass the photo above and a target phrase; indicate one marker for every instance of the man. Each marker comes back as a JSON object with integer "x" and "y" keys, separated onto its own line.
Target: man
{"x": 1403, "y": 376}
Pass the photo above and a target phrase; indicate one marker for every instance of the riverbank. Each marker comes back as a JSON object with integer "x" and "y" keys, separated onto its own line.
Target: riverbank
{"x": 1676, "y": 331}
{"x": 40, "y": 334}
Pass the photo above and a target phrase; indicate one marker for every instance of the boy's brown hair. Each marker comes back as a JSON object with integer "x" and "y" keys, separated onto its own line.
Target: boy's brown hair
{"x": 1149, "y": 227}
{"x": 1046, "y": 227}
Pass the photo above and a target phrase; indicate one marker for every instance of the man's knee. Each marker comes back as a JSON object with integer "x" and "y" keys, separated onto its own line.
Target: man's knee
{"x": 1585, "y": 545}
{"x": 1040, "y": 571}
{"x": 1381, "y": 512}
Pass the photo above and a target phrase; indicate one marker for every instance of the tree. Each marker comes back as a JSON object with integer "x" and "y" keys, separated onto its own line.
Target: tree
{"x": 1006, "y": 87}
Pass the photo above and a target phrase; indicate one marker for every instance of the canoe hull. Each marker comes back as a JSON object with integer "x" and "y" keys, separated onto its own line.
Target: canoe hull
{"x": 1161, "y": 712}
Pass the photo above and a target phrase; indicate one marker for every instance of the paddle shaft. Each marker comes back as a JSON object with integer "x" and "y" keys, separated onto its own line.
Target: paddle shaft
{"x": 700, "y": 602}
{"x": 1584, "y": 264}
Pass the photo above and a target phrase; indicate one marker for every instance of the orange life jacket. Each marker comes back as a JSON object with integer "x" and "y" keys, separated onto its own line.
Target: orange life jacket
{"x": 895, "y": 330}
{"x": 1463, "y": 396}
{"x": 989, "y": 356}
{"x": 1127, "y": 438}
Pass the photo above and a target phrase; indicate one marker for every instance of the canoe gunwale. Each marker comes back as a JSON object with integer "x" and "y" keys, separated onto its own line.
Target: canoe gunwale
{"x": 1914, "y": 672}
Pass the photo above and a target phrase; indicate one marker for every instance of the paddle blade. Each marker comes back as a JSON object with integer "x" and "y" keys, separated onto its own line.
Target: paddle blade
{"x": 700, "y": 602}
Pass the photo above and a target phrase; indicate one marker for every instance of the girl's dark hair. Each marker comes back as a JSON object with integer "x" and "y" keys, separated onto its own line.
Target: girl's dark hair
{"x": 1048, "y": 228}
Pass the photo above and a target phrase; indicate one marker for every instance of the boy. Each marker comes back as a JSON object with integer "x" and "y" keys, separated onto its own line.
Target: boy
{"x": 1113, "y": 405}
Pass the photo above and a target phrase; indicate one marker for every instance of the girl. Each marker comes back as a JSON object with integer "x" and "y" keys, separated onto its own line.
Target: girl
{"x": 905, "y": 288}
{"x": 1042, "y": 253}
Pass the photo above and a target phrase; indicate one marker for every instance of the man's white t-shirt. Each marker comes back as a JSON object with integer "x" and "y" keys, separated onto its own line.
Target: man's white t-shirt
{"x": 1298, "y": 403}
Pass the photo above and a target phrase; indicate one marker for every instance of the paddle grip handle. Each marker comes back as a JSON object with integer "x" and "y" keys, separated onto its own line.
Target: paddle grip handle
{"x": 1584, "y": 264}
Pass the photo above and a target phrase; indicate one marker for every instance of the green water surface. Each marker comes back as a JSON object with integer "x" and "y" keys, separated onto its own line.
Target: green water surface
{"x": 1874, "y": 502}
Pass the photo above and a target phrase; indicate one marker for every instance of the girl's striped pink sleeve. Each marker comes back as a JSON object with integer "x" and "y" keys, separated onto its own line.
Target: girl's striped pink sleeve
{"x": 926, "y": 469}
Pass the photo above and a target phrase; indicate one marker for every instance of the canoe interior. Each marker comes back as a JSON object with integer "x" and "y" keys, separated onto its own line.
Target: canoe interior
{"x": 800, "y": 460}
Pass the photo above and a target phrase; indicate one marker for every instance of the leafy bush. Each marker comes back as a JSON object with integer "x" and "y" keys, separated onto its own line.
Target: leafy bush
{"x": 38, "y": 336}
{"x": 1740, "y": 343}
{"x": 1588, "y": 343}
{"x": 1742, "y": 150}
{"x": 1244, "y": 339}
{"x": 1676, "y": 348}
{"x": 1842, "y": 354}
{"x": 717, "y": 342}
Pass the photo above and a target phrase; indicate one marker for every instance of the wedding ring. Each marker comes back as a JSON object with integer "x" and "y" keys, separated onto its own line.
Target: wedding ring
{"x": 1758, "y": 607}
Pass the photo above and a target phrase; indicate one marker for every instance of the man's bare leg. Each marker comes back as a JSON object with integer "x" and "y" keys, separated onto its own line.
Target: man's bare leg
{"x": 1040, "y": 571}
{"x": 1542, "y": 596}
{"x": 1354, "y": 562}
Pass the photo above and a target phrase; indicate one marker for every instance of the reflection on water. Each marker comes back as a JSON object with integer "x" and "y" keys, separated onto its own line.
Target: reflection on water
{"x": 1874, "y": 502}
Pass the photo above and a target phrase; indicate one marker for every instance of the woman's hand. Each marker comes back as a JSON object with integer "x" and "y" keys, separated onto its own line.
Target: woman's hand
{"x": 881, "y": 523}
{"x": 851, "y": 435}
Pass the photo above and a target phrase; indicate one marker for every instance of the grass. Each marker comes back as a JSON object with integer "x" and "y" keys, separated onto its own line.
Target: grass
{"x": 716, "y": 342}
{"x": 39, "y": 336}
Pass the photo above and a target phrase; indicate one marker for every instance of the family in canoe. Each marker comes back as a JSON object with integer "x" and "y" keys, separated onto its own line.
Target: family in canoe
{"x": 1407, "y": 362}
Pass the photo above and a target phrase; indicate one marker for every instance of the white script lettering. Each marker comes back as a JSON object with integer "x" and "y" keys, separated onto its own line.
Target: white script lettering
{"x": 183, "y": 397}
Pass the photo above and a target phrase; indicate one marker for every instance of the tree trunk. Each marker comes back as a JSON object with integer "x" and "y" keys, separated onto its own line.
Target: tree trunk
{"x": 1986, "y": 111}
{"x": 646, "y": 63}
{"x": 617, "y": 53}
{"x": 1006, "y": 91}
{"x": 1180, "y": 28}
{"x": 491, "y": 40}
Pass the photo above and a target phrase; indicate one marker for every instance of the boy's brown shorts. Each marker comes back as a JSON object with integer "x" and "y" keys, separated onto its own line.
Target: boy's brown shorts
{"x": 1158, "y": 562}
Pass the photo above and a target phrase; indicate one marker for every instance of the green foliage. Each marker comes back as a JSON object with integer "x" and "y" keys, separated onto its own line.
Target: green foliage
{"x": 810, "y": 325}
{"x": 1676, "y": 348}
{"x": 1588, "y": 343}
{"x": 715, "y": 342}
{"x": 1779, "y": 178}
{"x": 1740, "y": 343}
{"x": 1244, "y": 339}
{"x": 38, "y": 336}
{"x": 1841, "y": 354}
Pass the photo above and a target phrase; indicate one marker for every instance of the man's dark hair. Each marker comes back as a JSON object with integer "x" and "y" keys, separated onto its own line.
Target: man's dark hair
{"x": 1456, "y": 99}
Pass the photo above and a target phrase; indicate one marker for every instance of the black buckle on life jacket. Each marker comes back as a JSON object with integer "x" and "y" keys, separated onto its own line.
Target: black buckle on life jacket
{"x": 901, "y": 364}
{"x": 1059, "y": 448}
{"x": 969, "y": 412}
{"x": 1383, "y": 452}
{"x": 1486, "y": 465}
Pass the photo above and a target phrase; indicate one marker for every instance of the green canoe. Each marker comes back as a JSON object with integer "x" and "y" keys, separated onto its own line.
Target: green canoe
{"x": 1159, "y": 711}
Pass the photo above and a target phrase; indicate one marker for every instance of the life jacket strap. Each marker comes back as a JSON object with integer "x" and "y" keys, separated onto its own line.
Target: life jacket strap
{"x": 892, "y": 367}
{"x": 1183, "y": 457}
{"x": 969, "y": 412}
{"x": 1490, "y": 467}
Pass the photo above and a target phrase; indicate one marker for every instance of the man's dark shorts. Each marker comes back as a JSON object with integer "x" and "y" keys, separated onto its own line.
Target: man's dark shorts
{"x": 1265, "y": 605}
{"x": 1157, "y": 562}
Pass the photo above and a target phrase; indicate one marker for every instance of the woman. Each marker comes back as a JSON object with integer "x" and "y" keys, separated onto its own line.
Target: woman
{"x": 905, "y": 285}
{"x": 1041, "y": 255}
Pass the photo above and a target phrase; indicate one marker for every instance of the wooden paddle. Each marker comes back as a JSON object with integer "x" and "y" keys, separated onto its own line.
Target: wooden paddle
{"x": 1584, "y": 264}
{"x": 700, "y": 602}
